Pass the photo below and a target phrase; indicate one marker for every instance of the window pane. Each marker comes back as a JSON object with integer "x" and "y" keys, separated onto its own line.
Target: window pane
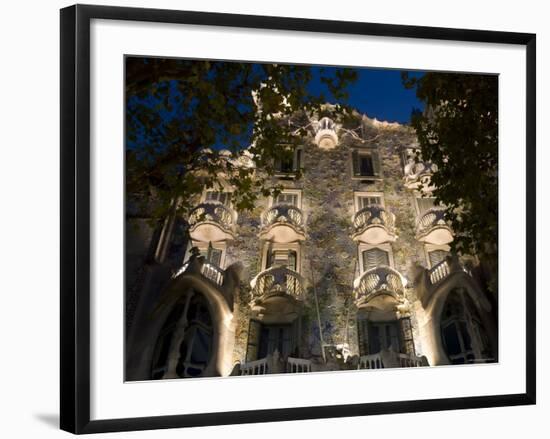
{"x": 437, "y": 256}
{"x": 200, "y": 350}
{"x": 365, "y": 166}
{"x": 275, "y": 337}
{"x": 374, "y": 339}
{"x": 292, "y": 258}
{"x": 287, "y": 198}
{"x": 369, "y": 201}
{"x": 212, "y": 255}
{"x": 221, "y": 197}
{"x": 287, "y": 165}
{"x": 465, "y": 336}
{"x": 216, "y": 256}
{"x": 375, "y": 257}
{"x": 450, "y": 338}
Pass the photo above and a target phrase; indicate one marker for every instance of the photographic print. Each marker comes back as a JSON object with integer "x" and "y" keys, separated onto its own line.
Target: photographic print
{"x": 286, "y": 218}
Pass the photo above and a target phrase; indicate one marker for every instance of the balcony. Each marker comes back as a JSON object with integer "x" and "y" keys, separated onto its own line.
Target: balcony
{"x": 438, "y": 273}
{"x": 418, "y": 174}
{"x": 277, "y": 282}
{"x": 283, "y": 223}
{"x": 432, "y": 227}
{"x": 447, "y": 274}
{"x": 378, "y": 280}
{"x": 210, "y": 271}
{"x": 210, "y": 222}
{"x": 326, "y": 137}
{"x": 374, "y": 225}
{"x": 389, "y": 359}
{"x": 275, "y": 364}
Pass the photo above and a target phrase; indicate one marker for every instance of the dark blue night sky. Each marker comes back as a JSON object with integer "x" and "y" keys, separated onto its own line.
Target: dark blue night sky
{"x": 378, "y": 93}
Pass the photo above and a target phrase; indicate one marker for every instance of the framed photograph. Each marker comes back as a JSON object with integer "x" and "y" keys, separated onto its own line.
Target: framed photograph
{"x": 268, "y": 218}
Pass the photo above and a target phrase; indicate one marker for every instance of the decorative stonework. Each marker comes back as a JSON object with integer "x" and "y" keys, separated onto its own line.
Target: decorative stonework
{"x": 210, "y": 222}
{"x": 322, "y": 297}
{"x": 325, "y": 136}
{"x": 433, "y": 228}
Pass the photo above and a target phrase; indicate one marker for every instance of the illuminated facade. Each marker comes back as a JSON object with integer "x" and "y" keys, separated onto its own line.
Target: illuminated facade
{"x": 347, "y": 268}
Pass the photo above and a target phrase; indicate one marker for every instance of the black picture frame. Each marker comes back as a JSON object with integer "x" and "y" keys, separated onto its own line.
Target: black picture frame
{"x": 75, "y": 217}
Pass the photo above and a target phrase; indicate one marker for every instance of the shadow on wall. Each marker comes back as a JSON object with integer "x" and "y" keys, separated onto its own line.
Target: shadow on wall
{"x": 49, "y": 419}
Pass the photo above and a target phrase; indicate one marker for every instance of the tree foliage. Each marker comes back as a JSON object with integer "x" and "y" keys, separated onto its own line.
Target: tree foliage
{"x": 458, "y": 132}
{"x": 188, "y": 123}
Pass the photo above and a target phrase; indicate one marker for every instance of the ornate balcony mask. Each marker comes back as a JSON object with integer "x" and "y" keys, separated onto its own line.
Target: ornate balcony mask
{"x": 283, "y": 223}
{"x": 211, "y": 221}
{"x": 378, "y": 280}
{"x": 432, "y": 227}
{"x": 374, "y": 225}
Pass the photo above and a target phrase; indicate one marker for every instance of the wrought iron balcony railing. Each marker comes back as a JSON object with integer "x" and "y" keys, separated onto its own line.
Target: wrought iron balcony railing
{"x": 256, "y": 367}
{"x": 381, "y": 279}
{"x": 275, "y": 364}
{"x": 283, "y": 223}
{"x": 283, "y": 213}
{"x": 374, "y": 224}
{"x": 212, "y": 212}
{"x": 211, "y": 221}
{"x": 433, "y": 228}
{"x": 210, "y": 271}
{"x": 388, "y": 359}
{"x": 277, "y": 281}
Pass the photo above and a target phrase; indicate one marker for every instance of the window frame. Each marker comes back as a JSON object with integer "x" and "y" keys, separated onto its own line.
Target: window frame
{"x": 203, "y": 247}
{"x": 297, "y": 192}
{"x": 297, "y": 163}
{"x": 374, "y": 153}
{"x": 386, "y": 246}
{"x": 291, "y": 246}
{"x": 428, "y": 248}
{"x": 357, "y": 195}
{"x": 229, "y": 204}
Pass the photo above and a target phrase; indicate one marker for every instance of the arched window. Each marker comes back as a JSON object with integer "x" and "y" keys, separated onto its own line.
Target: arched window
{"x": 464, "y": 338}
{"x": 187, "y": 336}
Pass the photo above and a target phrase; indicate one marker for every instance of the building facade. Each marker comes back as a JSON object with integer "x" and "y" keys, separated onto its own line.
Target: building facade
{"x": 349, "y": 267}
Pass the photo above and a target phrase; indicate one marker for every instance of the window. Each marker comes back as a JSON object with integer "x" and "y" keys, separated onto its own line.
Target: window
{"x": 376, "y": 336}
{"x": 464, "y": 338}
{"x": 162, "y": 348}
{"x": 188, "y": 332}
{"x": 375, "y": 257}
{"x": 196, "y": 348}
{"x": 286, "y": 258}
{"x": 212, "y": 255}
{"x": 217, "y": 196}
{"x": 365, "y": 201}
{"x": 287, "y": 198}
{"x": 212, "y": 252}
{"x": 279, "y": 254}
{"x": 264, "y": 339}
{"x": 366, "y": 167}
{"x": 290, "y": 163}
{"x": 365, "y": 164}
{"x": 383, "y": 336}
{"x": 437, "y": 256}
